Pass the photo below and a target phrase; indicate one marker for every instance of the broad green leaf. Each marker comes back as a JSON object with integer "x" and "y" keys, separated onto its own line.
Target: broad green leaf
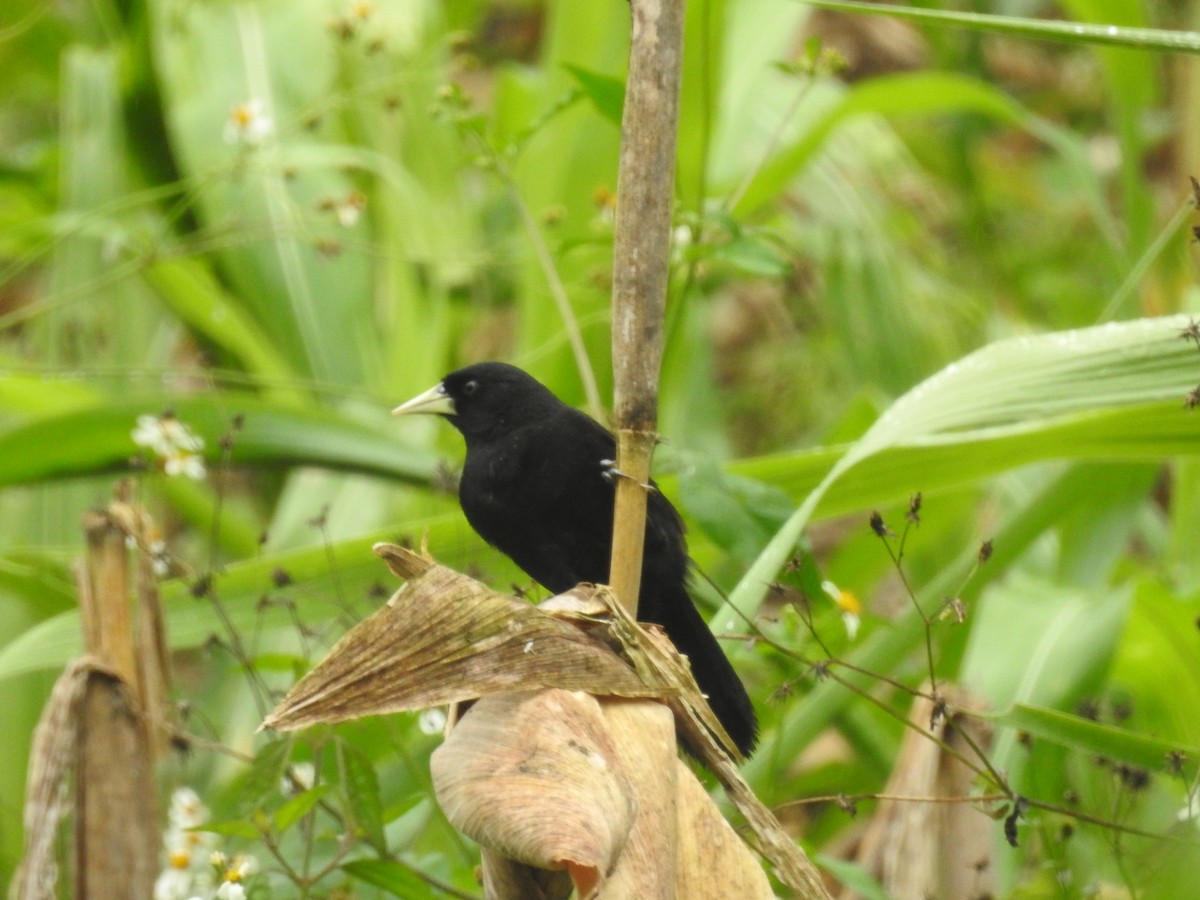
{"x": 1157, "y": 662}
{"x": 272, "y": 434}
{"x": 317, "y": 304}
{"x": 890, "y": 649}
{"x": 919, "y": 93}
{"x": 34, "y": 394}
{"x": 190, "y": 291}
{"x": 1103, "y": 740}
{"x": 1039, "y": 642}
{"x": 1049, "y": 395}
{"x": 853, "y": 877}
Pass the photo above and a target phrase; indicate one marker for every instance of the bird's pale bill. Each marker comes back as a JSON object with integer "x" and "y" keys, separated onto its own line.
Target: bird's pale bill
{"x": 434, "y": 401}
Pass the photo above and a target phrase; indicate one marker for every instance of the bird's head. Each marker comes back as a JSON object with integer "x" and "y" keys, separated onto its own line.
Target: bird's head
{"x": 485, "y": 400}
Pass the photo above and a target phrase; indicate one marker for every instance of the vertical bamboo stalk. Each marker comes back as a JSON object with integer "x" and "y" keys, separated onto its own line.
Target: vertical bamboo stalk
{"x": 641, "y": 253}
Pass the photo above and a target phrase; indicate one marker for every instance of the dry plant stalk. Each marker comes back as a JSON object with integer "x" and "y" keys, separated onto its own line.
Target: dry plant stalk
{"x": 641, "y": 254}
{"x": 97, "y": 730}
{"x": 932, "y": 849}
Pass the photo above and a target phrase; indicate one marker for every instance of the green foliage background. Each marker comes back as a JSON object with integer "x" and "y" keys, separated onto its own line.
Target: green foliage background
{"x": 964, "y": 275}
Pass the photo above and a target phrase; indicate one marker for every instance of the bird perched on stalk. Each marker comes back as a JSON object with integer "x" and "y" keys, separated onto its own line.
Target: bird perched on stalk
{"x": 538, "y": 484}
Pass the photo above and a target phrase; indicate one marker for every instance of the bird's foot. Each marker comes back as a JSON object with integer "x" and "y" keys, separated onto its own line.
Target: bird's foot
{"x": 610, "y": 473}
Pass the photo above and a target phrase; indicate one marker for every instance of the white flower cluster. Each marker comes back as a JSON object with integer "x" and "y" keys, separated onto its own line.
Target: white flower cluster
{"x": 194, "y": 869}
{"x": 177, "y": 447}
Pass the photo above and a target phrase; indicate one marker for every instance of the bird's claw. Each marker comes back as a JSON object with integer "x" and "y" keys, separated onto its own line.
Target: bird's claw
{"x": 610, "y": 473}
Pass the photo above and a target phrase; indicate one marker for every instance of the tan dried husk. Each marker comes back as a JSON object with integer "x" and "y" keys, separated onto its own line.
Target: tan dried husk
{"x": 627, "y": 817}
{"x": 541, "y": 770}
{"x": 532, "y": 775}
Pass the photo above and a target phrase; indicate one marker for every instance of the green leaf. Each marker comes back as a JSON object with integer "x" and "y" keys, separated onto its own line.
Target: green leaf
{"x": 752, "y": 256}
{"x": 1099, "y": 739}
{"x": 263, "y": 779}
{"x": 606, "y": 92}
{"x": 296, "y": 808}
{"x": 1158, "y": 658}
{"x": 362, "y": 789}
{"x": 189, "y": 289}
{"x": 1036, "y": 641}
{"x": 396, "y": 878}
{"x": 852, "y": 876}
{"x": 908, "y": 94}
{"x": 890, "y": 648}
{"x": 236, "y": 828}
{"x": 1112, "y": 391}
{"x": 272, "y": 434}
{"x": 740, "y": 514}
{"x": 281, "y": 662}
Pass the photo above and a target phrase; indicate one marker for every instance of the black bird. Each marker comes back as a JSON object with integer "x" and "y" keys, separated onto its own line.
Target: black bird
{"x": 538, "y": 484}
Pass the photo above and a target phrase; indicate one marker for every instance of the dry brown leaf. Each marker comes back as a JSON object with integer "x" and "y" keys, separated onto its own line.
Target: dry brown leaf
{"x": 444, "y": 638}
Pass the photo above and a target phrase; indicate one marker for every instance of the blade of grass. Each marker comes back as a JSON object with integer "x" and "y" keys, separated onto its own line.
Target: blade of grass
{"x": 1041, "y": 29}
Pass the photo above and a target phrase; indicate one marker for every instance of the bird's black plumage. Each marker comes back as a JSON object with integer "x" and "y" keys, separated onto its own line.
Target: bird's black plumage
{"x": 537, "y": 484}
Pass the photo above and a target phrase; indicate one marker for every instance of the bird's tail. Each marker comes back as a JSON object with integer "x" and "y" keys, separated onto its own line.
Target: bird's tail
{"x": 713, "y": 673}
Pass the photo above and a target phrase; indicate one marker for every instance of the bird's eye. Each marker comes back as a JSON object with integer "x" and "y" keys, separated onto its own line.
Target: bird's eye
{"x": 470, "y": 387}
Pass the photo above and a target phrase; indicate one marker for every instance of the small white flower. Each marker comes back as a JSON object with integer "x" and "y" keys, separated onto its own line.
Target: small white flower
{"x": 349, "y": 210}
{"x": 176, "y": 445}
{"x": 173, "y": 884}
{"x": 852, "y": 622}
{"x": 179, "y": 435}
{"x": 187, "y": 810}
{"x": 432, "y": 721}
{"x": 149, "y": 433}
{"x": 248, "y": 124}
{"x": 849, "y": 605}
{"x": 244, "y": 865}
{"x": 301, "y": 777}
{"x": 188, "y": 464}
{"x": 232, "y": 876}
